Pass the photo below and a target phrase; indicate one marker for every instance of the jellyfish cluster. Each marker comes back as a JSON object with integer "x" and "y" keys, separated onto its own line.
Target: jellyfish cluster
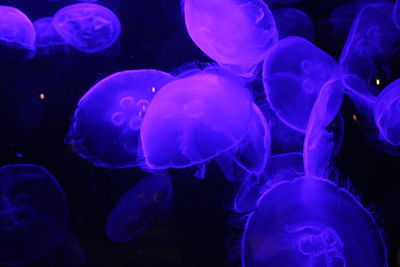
{"x": 266, "y": 115}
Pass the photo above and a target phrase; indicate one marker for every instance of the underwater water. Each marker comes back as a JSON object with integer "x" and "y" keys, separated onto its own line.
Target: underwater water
{"x": 192, "y": 133}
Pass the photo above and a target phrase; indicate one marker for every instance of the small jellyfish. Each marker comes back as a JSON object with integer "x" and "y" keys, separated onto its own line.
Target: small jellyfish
{"x": 195, "y": 118}
{"x": 16, "y": 30}
{"x": 137, "y": 208}
{"x": 33, "y": 213}
{"x": 108, "y": 118}
{"x": 293, "y": 22}
{"x": 294, "y": 72}
{"x": 387, "y": 113}
{"x": 283, "y": 167}
{"x": 87, "y": 27}
{"x": 319, "y": 142}
{"x": 236, "y": 34}
{"x": 48, "y": 41}
{"x": 311, "y": 222}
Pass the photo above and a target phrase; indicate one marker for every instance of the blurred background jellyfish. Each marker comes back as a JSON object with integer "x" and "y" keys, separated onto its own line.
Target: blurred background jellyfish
{"x": 234, "y": 34}
{"x": 311, "y": 222}
{"x": 137, "y": 208}
{"x": 387, "y": 113}
{"x": 108, "y": 118}
{"x": 87, "y": 27}
{"x": 195, "y": 118}
{"x": 48, "y": 41}
{"x": 293, "y": 22}
{"x": 280, "y": 168}
{"x": 16, "y": 31}
{"x": 294, "y": 72}
{"x": 319, "y": 143}
{"x": 33, "y": 213}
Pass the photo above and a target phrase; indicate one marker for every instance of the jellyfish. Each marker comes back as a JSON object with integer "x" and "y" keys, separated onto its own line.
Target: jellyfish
{"x": 33, "y": 213}
{"x": 310, "y": 221}
{"x": 137, "y": 208}
{"x": 195, "y": 118}
{"x": 48, "y": 41}
{"x": 16, "y": 30}
{"x": 280, "y": 168}
{"x": 293, "y": 22}
{"x": 235, "y": 34}
{"x": 294, "y": 72}
{"x": 87, "y": 27}
{"x": 387, "y": 113}
{"x": 319, "y": 143}
{"x": 107, "y": 121}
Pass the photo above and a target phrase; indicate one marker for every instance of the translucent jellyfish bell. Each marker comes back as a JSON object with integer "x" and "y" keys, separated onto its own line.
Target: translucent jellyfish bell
{"x": 294, "y": 72}
{"x": 33, "y": 213}
{"x": 387, "y": 113}
{"x": 293, "y": 22}
{"x": 108, "y": 118}
{"x": 87, "y": 27}
{"x": 137, "y": 208}
{"x": 311, "y": 222}
{"x": 236, "y": 34}
{"x": 48, "y": 41}
{"x": 195, "y": 118}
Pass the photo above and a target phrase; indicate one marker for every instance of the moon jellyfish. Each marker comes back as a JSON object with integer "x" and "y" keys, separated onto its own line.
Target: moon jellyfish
{"x": 294, "y": 72}
{"x": 16, "y": 30}
{"x": 284, "y": 167}
{"x": 33, "y": 213}
{"x": 319, "y": 143}
{"x": 311, "y": 222}
{"x": 195, "y": 118}
{"x": 108, "y": 118}
{"x": 87, "y": 27}
{"x": 236, "y": 34}
{"x": 387, "y": 113}
{"x": 137, "y": 208}
{"x": 293, "y": 22}
{"x": 48, "y": 41}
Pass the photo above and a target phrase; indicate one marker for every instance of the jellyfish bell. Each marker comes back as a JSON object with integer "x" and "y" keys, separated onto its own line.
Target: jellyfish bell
{"x": 293, "y": 22}
{"x": 48, "y": 41}
{"x": 137, "y": 208}
{"x": 31, "y": 222}
{"x": 87, "y": 27}
{"x": 236, "y": 34}
{"x": 310, "y": 221}
{"x": 107, "y": 121}
{"x": 294, "y": 72}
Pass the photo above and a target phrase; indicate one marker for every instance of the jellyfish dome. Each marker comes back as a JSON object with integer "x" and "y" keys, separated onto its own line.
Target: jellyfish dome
{"x": 236, "y": 34}
{"x": 311, "y": 222}
{"x": 195, "y": 118}
{"x": 48, "y": 41}
{"x": 87, "y": 27}
{"x": 33, "y": 213}
{"x": 107, "y": 121}
{"x": 137, "y": 208}
{"x": 16, "y": 30}
{"x": 293, "y": 22}
{"x": 387, "y": 113}
{"x": 294, "y": 72}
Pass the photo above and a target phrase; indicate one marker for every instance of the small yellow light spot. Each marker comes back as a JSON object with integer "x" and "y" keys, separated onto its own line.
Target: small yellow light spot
{"x": 355, "y": 117}
{"x": 42, "y": 96}
{"x": 378, "y": 82}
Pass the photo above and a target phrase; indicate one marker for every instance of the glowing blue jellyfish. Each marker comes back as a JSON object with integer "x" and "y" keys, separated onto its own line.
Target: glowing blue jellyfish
{"x": 234, "y": 34}
{"x": 294, "y": 72}
{"x": 387, "y": 113}
{"x": 107, "y": 121}
{"x": 48, "y": 41}
{"x": 33, "y": 213}
{"x": 319, "y": 143}
{"x": 16, "y": 30}
{"x": 293, "y": 22}
{"x": 311, "y": 222}
{"x": 137, "y": 208}
{"x": 87, "y": 27}
{"x": 195, "y": 118}
{"x": 284, "y": 167}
